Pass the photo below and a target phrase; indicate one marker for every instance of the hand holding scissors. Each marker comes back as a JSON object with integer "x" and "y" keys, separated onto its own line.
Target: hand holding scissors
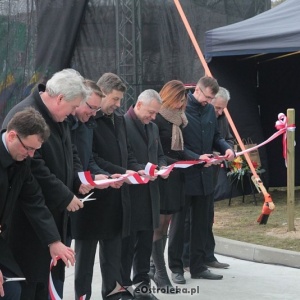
{"x": 87, "y": 198}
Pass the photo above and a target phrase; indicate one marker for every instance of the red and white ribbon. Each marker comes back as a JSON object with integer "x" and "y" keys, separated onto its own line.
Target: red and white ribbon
{"x": 282, "y": 127}
{"x": 150, "y": 169}
{"x": 52, "y": 291}
{"x": 86, "y": 178}
{"x": 135, "y": 178}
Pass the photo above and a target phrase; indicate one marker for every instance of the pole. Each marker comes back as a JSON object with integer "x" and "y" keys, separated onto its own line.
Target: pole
{"x": 290, "y": 170}
{"x": 257, "y": 180}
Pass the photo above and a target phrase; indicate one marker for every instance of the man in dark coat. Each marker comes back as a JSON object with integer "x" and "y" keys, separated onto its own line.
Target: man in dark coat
{"x": 143, "y": 137}
{"x": 82, "y": 125}
{"x": 106, "y": 219}
{"x": 219, "y": 102}
{"x": 201, "y": 136}
{"x": 26, "y": 132}
{"x": 55, "y": 166}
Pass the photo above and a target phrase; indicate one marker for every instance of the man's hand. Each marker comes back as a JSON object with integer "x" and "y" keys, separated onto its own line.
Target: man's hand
{"x": 206, "y": 157}
{"x": 152, "y": 178}
{"x": 229, "y": 155}
{"x": 58, "y": 249}
{"x": 101, "y": 177}
{"x": 85, "y": 188}
{"x": 1, "y": 285}
{"x": 117, "y": 184}
{"x": 164, "y": 176}
{"x": 130, "y": 172}
{"x": 75, "y": 204}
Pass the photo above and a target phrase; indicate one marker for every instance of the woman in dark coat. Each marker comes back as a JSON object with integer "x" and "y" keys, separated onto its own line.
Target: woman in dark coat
{"x": 170, "y": 120}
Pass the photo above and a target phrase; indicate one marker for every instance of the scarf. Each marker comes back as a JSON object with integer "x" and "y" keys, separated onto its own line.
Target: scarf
{"x": 177, "y": 118}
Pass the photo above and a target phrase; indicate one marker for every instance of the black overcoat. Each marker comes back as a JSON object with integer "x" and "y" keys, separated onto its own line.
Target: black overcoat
{"x": 23, "y": 188}
{"x": 145, "y": 199}
{"x": 172, "y": 190}
{"x": 55, "y": 166}
{"x": 109, "y": 215}
{"x": 201, "y": 136}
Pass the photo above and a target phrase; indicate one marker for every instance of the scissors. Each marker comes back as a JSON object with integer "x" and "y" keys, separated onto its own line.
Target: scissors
{"x": 87, "y": 198}
{"x": 7, "y": 279}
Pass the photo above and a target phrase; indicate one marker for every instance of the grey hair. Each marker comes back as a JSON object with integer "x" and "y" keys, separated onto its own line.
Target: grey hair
{"x": 148, "y": 95}
{"x": 223, "y": 93}
{"x": 68, "y": 83}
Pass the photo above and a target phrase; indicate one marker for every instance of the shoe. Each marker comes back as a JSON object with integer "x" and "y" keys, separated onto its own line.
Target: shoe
{"x": 207, "y": 275}
{"x": 143, "y": 292}
{"x": 186, "y": 269}
{"x": 178, "y": 278}
{"x": 217, "y": 265}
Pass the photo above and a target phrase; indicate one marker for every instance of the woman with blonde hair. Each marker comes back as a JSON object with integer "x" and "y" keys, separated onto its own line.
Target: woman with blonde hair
{"x": 170, "y": 120}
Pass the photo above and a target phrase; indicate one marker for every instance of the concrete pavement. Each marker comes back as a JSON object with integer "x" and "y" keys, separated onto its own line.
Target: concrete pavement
{"x": 256, "y": 272}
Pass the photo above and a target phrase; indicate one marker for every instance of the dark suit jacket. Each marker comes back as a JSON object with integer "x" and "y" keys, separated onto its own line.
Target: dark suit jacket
{"x": 23, "y": 188}
{"x": 55, "y": 166}
{"x": 145, "y": 199}
{"x": 201, "y": 136}
{"x": 109, "y": 215}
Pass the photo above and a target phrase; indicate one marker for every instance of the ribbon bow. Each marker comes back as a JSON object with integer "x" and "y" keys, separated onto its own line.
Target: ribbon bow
{"x": 281, "y": 125}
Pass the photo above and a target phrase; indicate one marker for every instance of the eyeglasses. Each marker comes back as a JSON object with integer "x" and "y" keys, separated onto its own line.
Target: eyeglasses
{"x": 207, "y": 97}
{"x": 92, "y": 108}
{"x": 29, "y": 149}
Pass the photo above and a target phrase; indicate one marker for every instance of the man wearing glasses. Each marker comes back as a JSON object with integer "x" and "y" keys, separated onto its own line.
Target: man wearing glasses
{"x": 25, "y": 133}
{"x": 82, "y": 125}
{"x": 220, "y": 103}
{"x": 55, "y": 166}
{"x": 201, "y": 136}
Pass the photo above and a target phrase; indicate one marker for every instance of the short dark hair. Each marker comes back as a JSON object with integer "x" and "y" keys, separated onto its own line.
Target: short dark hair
{"x": 109, "y": 82}
{"x": 29, "y": 122}
{"x": 210, "y": 82}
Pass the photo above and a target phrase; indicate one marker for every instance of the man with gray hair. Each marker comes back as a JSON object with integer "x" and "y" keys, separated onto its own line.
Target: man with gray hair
{"x": 55, "y": 166}
{"x": 220, "y": 102}
{"x": 143, "y": 137}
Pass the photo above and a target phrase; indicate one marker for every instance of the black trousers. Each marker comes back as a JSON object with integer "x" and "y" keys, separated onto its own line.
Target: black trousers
{"x": 210, "y": 243}
{"x": 200, "y": 208}
{"x": 110, "y": 261}
{"x": 136, "y": 252}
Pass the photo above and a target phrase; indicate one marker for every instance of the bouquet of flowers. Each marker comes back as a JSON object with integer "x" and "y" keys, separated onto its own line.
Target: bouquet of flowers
{"x": 238, "y": 168}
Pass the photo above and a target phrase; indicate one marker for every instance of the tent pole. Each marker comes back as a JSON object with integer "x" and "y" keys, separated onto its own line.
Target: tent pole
{"x": 257, "y": 181}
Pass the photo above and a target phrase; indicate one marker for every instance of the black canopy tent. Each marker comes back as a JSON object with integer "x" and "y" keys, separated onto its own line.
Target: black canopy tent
{"x": 258, "y": 60}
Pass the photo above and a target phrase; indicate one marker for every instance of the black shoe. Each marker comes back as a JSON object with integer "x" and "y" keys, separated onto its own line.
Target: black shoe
{"x": 144, "y": 296}
{"x": 207, "y": 275}
{"x": 178, "y": 278}
{"x": 143, "y": 292}
{"x": 217, "y": 265}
